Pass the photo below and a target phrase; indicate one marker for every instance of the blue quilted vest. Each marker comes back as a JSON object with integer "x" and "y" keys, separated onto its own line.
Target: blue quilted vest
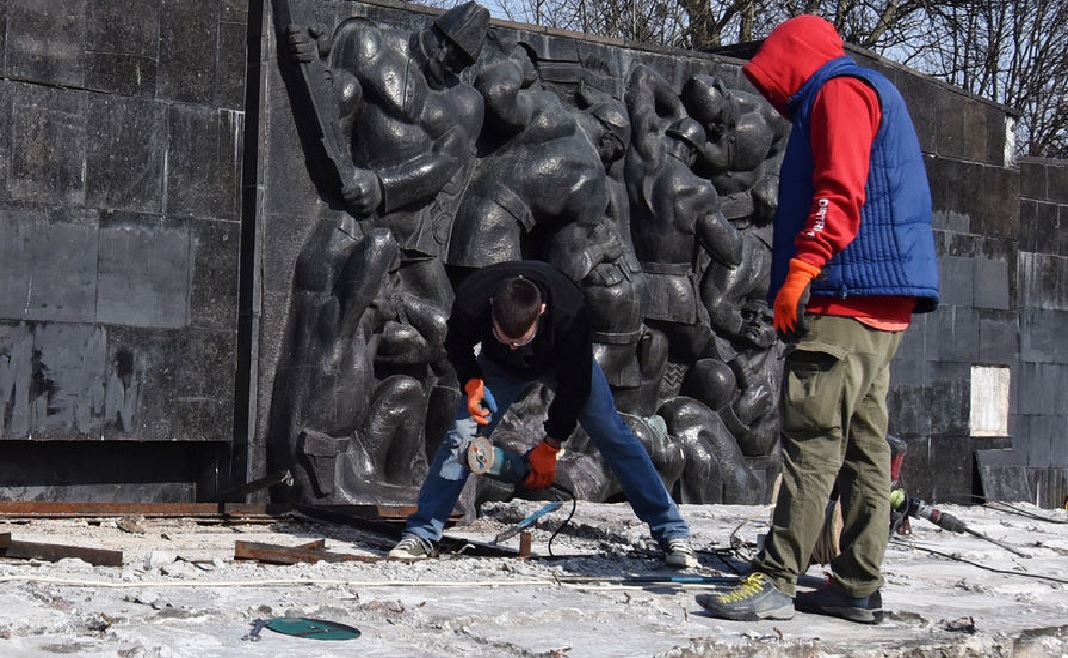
{"x": 894, "y": 252}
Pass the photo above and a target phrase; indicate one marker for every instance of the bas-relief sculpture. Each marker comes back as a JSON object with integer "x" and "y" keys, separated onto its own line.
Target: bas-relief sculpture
{"x": 449, "y": 152}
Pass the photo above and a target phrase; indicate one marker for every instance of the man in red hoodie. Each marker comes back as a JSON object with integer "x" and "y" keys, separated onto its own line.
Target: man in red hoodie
{"x": 853, "y": 259}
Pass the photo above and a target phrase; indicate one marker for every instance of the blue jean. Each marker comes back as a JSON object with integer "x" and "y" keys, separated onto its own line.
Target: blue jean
{"x": 622, "y": 450}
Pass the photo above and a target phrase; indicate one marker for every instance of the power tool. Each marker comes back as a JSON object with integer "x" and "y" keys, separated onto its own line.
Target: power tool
{"x": 484, "y": 458}
{"x": 904, "y": 505}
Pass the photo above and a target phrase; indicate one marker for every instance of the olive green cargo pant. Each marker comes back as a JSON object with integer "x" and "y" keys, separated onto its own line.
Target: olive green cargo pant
{"x": 834, "y": 425}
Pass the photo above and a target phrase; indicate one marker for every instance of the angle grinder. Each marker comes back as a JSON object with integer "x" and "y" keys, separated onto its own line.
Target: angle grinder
{"x": 484, "y": 458}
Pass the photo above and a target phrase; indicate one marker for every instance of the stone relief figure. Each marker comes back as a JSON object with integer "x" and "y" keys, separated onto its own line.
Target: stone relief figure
{"x": 457, "y": 155}
{"x": 407, "y": 127}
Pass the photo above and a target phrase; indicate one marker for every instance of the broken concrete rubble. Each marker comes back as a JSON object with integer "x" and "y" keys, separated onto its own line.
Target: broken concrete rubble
{"x": 180, "y": 592}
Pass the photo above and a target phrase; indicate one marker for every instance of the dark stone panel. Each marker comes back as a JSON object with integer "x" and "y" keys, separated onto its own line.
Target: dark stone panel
{"x": 126, "y": 152}
{"x": 998, "y": 207}
{"x": 282, "y": 246}
{"x": 144, "y": 275}
{"x": 7, "y": 93}
{"x": 1045, "y": 440}
{"x": 999, "y": 339}
{"x": 204, "y": 162}
{"x": 955, "y": 274}
{"x": 1029, "y": 225}
{"x": 1033, "y": 183}
{"x": 3, "y": 42}
{"x": 995, "y": 135}
{"x": 204, "y": 406}
{"x": 962, "y": 244}
{"x": 215, "y": 251}
{"x": 976, "y": 132}
{"x": 51, "y": 380}
{"x": 1043, "y": 281}
{"x": 231, "y": 67}
{"x": 920, "y": 95}
{"x": 47, "y": 268}
{"x": 140, "y": 380}
{"x": 950, "y": 398}
{"x": 909, "y": 405}
{"x": 48, "y": 144}
{"x": 189, "y": 36}
{"x": 991, "y": 283}
{"x": 951, "y": 221}
{"x": 1058, "y": 182}
{"x": 46, "y": 41}
{"x": 950, "y": 125}
{"x": 958, "y": 329}
{"x": 122, "y": 46}
{"x": 1062, "y": 231}
{"x": 913, "y": 346}
{"x": 1043, "y": 387}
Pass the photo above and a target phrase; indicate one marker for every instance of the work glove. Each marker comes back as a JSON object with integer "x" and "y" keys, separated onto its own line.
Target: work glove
{"x": 542, "y": 460}
{"x": 480, "y": 402}
{"x": 789, "y": 318}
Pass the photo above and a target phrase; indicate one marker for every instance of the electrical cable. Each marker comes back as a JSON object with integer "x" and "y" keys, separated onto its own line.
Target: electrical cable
{"x": 574, "y": 505}
{"x": 977, "y": 564}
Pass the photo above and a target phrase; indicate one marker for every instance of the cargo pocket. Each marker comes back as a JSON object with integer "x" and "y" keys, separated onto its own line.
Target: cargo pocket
{"x": 812, "y": 387}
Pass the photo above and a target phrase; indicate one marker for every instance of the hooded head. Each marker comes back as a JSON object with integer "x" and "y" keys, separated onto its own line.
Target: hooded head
{"x": 790, "y": 55}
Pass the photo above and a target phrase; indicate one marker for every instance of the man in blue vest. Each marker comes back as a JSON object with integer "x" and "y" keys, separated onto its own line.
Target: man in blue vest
{"x": 853, "y": 259}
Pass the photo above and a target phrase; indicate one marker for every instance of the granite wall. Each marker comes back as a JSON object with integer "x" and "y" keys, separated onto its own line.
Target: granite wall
{"x": 121, "y": 137}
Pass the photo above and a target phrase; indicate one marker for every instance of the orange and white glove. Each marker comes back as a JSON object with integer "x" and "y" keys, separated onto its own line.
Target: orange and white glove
{"x": 480, "y": 402}
{"x": 542, "y": 460}
{"x": 789, "y": 308}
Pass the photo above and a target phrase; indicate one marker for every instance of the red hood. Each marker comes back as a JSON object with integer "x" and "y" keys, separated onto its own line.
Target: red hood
{"x": 790, "y": 55}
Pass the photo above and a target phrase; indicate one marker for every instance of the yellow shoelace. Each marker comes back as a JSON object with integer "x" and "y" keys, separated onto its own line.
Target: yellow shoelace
{"x": 751, "y": 586}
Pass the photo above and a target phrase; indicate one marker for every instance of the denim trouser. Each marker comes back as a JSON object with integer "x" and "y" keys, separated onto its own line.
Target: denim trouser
{"x": 622, "y": 450}
{"x": 834, "y": 425}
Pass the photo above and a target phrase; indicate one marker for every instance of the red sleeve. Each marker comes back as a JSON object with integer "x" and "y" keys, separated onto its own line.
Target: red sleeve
{"x": 844, "y": 120}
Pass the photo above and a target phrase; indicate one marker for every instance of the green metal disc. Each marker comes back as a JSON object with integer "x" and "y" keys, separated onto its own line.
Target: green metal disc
{"x": 315, "y": 629}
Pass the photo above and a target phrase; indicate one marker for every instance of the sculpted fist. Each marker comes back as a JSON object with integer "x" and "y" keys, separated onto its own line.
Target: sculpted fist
{"x": 363, "y": 192}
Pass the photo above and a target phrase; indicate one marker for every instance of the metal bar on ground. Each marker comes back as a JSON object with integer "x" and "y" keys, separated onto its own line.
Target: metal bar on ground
{"x": 28, "y": 550}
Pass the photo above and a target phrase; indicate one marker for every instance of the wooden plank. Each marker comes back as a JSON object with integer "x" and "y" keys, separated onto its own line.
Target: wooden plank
{"x": 274, "y": 554}
{"x": 63, "y": 509}
{"x": 14, "y": 548}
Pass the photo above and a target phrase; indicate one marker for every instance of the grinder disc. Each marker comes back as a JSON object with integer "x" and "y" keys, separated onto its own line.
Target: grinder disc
{"x": 481, "y": 456}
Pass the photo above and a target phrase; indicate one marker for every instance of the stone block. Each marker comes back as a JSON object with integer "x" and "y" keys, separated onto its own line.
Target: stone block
{"x": 1042, "y": 387}
{"x": 995, "y": 135}
{"x": 919, "y": 96}
{"x": 950, "y": 124}
{"x": 999, "y": 337}
{"x": 958, "y": 328}
{"x": 1029, "y": 224}
{"x": 1043, "y": 281}
{"x": 122, "y": 46}
{"x": 215, "y": 253}
{"x": 951, "y": 221}
{"x": 953, "y": 465}
{"x": 1042, "y": 335}
{"x": 126, "y": 153}
{"x": 962, "y": 244}
{"x": 48, "y": 145}
{"x": 144, "y": 274}
{"x": 48, "y": 270}
{"x": 976, "y": 133}
{"x": 204, "y": 407}
{"x": 955, "y": 279}
{"x": 189, "y": 37}
{"x": 1057, "y": 173}
{"x": 1045, "y": 445}
{"x": 1033, "y": 181}
{"x": 7, "y": 93}
{"x": 140, "y": 381}
{"x": 909, "y": 406}
{"x": 232, "y": 67}
{"x": 996, "y": 202}
{"x": 991, "y": 283}
{"x": 950, "y": 395}
{"x": 46, "y": 41}
{"x": 913, "y": 345}
{"x": 204, "y": 162}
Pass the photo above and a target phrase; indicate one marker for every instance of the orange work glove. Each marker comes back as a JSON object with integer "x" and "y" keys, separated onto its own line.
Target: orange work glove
{"x": 789, "y": 318}
{"x": 542, "y": 460}
{"x": 480, "y": 402}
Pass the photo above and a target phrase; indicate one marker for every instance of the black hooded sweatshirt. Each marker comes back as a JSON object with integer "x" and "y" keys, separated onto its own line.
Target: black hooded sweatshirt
{"x": 563, "y": 345}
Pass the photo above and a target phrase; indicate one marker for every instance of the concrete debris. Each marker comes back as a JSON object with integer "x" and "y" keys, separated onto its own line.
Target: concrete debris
{"x": 598, "y": 590}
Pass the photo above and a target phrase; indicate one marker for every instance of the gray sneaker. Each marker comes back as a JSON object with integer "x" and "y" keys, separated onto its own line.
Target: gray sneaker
{"x": 678, "y": 554}
{"x": 755, "y": 599}
{"x": 833, "y": 601}
{"x": 411, "y": 547}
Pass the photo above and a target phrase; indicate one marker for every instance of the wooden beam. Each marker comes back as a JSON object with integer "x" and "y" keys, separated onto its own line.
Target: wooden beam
{"x": 274, "y": 554}
{"x": 28, "y": 550}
